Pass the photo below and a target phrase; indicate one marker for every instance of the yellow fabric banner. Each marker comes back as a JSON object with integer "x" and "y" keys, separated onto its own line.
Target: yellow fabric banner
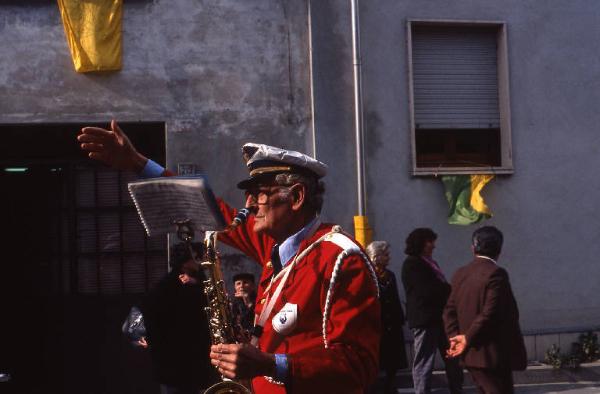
{"x": 477, "y": 184}
{"x": 93, "y": 31}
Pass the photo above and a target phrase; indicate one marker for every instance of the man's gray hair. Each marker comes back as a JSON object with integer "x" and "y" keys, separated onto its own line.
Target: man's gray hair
{"x": 377, "y": 248}
{"x": 314, "y": 187}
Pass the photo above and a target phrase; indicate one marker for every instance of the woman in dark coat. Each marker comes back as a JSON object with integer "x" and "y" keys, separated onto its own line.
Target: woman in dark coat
{"x": 392, "y": 354}
{"x": 426, "y": 294}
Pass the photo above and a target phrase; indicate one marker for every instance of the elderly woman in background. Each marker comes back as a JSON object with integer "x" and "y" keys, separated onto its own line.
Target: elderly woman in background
{"x": 392, "y": 354}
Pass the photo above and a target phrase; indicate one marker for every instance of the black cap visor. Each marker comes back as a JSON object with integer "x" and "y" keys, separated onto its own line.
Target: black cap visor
{"x": 264, "y": 179}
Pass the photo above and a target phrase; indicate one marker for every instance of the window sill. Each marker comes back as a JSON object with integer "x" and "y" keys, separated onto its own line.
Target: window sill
{"x": 428, "y": 171}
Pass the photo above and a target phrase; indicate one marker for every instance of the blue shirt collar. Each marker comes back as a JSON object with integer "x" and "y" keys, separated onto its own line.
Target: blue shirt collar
{"x": 290, "y": 246}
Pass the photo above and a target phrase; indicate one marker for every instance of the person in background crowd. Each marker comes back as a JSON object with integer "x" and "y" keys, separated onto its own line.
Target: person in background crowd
{"x": 177, "y": 330}
{"x": 482, "y": 317}
{"x": 243, "y": 302}
{"x": 426, "y": 293}
{"x": 392, "y": 354}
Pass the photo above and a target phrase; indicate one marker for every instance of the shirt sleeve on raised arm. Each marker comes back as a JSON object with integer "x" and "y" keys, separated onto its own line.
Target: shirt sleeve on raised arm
{"x": 152, "y": 170}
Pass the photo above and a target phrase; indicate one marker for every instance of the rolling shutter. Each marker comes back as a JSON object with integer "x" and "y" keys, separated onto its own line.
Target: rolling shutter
{"x": 455, "y": 77}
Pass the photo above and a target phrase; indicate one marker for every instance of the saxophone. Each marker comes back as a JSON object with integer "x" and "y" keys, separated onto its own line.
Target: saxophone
{"x": 220, "y": 319}
{"x": 218, "y": 310}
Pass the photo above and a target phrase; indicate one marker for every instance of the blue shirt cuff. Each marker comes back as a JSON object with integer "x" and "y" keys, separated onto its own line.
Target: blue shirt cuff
{"x": 281, "y": 367}
{"x": 152, "y": 170}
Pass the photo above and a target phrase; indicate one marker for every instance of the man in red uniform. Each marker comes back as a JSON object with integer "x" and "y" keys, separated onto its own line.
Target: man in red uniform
{"x": 317, "y": 312}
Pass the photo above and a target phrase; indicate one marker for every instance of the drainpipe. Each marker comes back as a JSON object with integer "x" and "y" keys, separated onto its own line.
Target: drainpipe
{"x": 312, "y": 83}
{"x": 362, "y": 231}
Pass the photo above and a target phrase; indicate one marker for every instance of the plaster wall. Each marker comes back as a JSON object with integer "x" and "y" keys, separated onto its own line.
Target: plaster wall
{"x": 547, "y": 209}
{"x": 219, "y": 73}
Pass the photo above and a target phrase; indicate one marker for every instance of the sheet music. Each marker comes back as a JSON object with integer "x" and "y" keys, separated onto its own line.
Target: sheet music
{"x": 161, "y": 201}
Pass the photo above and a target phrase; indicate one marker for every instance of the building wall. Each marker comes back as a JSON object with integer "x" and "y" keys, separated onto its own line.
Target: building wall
{"x": 218, "y": 73}
{"x": 547, "y": 209}
{"x": 221, "y": 73}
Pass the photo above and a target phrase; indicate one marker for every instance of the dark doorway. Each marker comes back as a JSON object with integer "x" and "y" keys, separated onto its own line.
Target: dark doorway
{"x": 74, "y": 260}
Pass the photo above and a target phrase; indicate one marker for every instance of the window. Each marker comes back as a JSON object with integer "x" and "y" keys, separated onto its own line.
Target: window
{"x": 74, "y": 229}
{"x": 458, "y": 80}
{"x": 114, "y": 255}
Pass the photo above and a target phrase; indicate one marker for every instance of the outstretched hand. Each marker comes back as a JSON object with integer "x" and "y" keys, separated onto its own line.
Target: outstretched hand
{"x": 111, "y": 147}
{"x": 458, "y": 345}
{"x": 241, "y": 361}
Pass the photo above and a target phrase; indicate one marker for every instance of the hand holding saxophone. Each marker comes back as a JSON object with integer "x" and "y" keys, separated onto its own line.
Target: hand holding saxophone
{"x": 241, "y": 361}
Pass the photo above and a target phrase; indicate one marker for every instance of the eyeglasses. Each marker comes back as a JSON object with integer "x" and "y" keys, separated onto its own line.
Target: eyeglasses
{"x": 261, "y": 196}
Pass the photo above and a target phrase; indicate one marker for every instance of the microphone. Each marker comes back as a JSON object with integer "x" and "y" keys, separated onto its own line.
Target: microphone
{"x": 240, "y": 218}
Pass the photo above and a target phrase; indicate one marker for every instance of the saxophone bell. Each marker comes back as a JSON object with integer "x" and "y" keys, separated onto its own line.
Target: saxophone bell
{"x": 227, "y": 387}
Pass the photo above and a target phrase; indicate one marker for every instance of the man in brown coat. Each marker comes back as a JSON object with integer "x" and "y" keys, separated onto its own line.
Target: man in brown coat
{"x": 482, "y": 319}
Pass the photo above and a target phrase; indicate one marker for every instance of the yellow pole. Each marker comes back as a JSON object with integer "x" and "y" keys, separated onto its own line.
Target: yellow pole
{"x": 362, "y": 232}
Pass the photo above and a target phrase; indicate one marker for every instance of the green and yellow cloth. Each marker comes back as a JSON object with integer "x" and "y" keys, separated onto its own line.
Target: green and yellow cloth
{"x": 463, "y": 192}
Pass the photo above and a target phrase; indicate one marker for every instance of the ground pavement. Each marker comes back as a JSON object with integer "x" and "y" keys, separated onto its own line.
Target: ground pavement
{"x": 537, "y": 379}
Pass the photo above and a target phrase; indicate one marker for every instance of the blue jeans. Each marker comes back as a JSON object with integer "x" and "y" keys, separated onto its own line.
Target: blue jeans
{"x": 428, "y": 341}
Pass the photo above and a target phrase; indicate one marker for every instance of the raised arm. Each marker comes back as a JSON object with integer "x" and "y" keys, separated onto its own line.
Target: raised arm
{"x": 254, "y": 245}
{"x": 111, "y": 147}
{"x": 115, "y": 149}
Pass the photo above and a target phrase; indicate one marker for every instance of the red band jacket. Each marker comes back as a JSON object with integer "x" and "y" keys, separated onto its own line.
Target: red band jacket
{"x": 352, "y": 320}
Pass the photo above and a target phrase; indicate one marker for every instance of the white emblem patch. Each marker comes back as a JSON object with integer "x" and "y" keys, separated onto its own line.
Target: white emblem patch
{"x": 285, "y": 320}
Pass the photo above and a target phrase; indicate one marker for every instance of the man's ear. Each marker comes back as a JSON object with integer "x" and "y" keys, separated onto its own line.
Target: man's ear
{"x": 298, "y": 193}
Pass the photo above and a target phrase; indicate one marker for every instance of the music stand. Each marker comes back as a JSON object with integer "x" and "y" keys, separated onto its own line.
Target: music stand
{"x": 176, "y": 204}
